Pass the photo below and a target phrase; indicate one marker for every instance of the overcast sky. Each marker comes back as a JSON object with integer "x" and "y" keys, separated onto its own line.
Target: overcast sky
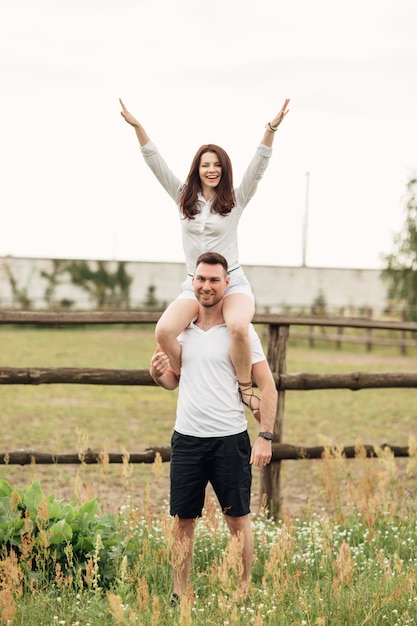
{"x": 74, "y": 184}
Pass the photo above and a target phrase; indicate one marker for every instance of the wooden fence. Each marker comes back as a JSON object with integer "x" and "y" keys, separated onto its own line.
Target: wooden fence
{"x": 314, "y": 336}
{"x": 278, "y": 332}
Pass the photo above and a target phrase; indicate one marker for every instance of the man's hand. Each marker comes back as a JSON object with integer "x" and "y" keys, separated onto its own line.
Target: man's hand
{"x": 262, "y": 448}
{"x": 162, "y": 372}
{"x": 159, "y": 364}
{"x": 261, "y": 452}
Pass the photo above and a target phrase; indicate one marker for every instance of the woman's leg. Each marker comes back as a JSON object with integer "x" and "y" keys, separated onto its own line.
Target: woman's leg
{"x": 174, "y": 320}
{"x": 238, "y": 310}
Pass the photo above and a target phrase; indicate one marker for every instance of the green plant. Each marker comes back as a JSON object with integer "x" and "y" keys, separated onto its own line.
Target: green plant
{"x": 319, "y": 304}
{"x": 151, "y": 301}
{"x": 400, "y": 272}
{"x": 108, "y": 289}
{"x": 316, "y": 570}
{"x": 45, "y": 533}
{"x": 59, "y": 268}
{"x": 20, "y": 294}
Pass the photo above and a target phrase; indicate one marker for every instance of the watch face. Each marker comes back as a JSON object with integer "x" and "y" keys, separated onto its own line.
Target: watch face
{"x": 266, "y": 436}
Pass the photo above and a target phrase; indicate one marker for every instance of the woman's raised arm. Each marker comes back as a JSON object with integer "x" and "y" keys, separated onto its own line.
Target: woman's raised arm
{"x": 140, "y": 131}
{"x": 272, "y": 126}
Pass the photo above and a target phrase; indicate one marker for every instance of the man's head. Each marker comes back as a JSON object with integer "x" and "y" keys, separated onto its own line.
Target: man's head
{"x": 210, "y": 278}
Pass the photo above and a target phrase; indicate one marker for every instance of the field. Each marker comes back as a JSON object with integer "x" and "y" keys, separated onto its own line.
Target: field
{"x": 67, "y": 418}
{"x": 354, "y": 494}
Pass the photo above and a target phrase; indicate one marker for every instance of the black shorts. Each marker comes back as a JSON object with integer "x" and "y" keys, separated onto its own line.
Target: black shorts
{"x": 222, "y": 461}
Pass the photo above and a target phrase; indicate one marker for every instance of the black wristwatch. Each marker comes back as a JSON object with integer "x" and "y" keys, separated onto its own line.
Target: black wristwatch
{"x": 265, "y": 435}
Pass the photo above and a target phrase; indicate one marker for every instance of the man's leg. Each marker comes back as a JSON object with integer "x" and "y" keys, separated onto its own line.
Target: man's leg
{"x": 182, "y": 554}
{"x": 187, "y": 491}
{"x": 241, "y": 527}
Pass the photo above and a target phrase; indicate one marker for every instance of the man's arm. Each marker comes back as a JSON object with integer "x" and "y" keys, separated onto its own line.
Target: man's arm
{"x": 262, "y": 448}
{"x": 162, "y": 372}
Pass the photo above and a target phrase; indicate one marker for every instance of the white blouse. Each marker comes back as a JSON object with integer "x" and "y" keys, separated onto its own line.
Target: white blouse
{"x": 210, "y": 232}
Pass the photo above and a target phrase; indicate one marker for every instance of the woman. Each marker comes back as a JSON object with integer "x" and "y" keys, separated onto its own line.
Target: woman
{"x": 210, "y": 209}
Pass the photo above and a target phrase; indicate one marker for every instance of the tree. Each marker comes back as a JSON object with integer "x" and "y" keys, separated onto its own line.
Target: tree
{"x": 400, "y": 272}
{"x": 59, "y": 268}
{"x": 110, "y": 290}
{"x": 151, "y": 301}
{"x": 319, "y": 304}
{"x": 20, "y": 294}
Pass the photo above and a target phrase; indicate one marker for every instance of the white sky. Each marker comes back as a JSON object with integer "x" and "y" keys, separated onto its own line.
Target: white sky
{"x": 74, "y": 184}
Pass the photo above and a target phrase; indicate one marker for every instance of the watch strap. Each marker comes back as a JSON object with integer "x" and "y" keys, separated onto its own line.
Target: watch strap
{"x": 265, "y": 435}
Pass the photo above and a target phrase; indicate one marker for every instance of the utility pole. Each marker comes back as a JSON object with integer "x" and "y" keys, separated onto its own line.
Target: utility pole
{"x": 305, "y": 221}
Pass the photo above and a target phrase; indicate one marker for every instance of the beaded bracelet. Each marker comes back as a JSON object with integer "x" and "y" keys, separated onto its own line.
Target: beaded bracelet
{"x": 272, "y": 129}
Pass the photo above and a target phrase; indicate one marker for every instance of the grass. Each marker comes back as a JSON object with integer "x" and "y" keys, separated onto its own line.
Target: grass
{"x": 343, "y": 552}
{"x": 63, "y": 418}
{"x": 312, "y": 571}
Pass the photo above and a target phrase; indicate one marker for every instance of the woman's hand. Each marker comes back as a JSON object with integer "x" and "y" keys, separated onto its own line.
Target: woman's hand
{"x": 272, "y": 126}
{"x": 140, "y": 131}
{"x": 128, "y": 116}
{"x": 280, "y": 116}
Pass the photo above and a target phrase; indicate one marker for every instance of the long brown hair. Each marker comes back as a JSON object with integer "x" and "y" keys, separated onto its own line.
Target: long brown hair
{"x": 224, "y": 199}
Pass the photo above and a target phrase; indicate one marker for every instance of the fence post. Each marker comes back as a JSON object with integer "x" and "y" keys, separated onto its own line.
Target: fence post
{"x": 368, "y": 339}
{"x": 270, "y": 475}
{"x": 403, "y": 348}
{"x": 311, "y": 337}
{"x": 339, "y": 337}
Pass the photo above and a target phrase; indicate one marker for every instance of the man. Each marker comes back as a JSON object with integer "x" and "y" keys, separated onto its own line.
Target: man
{"x": 210, "y": 442}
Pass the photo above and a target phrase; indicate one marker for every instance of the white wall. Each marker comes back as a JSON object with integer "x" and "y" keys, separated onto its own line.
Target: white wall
{"x": 274, "y": 287}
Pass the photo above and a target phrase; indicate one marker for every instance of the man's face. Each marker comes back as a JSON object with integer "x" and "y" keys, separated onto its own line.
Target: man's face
{"x": 210, "y": 282}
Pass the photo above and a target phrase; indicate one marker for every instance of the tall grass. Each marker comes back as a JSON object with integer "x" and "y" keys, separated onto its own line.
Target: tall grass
{"x": 358, "y": 567}
{"x": 343, "y": 552}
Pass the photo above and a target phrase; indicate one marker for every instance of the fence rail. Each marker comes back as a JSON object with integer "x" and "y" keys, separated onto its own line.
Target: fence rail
{"x": 314, "y": 323}
{"x": 367, "y": 340}
{"x": 295, "y": 382}
{"x": 280, "y": 452}
{"x": 278, "y": 338}
{"x": 68, "y": 318}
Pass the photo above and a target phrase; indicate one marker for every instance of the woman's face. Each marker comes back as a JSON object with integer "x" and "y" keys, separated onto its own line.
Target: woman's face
{"x": 210, "y": 170}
